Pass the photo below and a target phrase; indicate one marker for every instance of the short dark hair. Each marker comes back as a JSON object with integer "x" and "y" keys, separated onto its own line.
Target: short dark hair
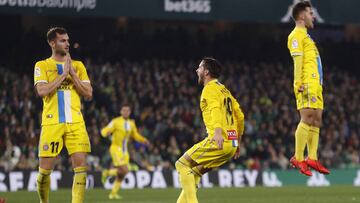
{"x": 213, "y": 66}
{"x": 300, "y": 7}
{"x": 125, "y": 104}
{"x": 51, "y": 34}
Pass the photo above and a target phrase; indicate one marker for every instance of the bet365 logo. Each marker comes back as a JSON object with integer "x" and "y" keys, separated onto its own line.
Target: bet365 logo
{"x": 187, "y": 6}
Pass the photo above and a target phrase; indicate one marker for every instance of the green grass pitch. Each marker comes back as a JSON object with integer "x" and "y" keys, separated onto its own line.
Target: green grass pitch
{"x": 290, "y": 194}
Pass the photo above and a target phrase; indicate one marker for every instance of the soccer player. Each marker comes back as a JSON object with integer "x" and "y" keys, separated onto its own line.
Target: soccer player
{"x": 224, "y": 123}
{"x": 308, "y": 80}
{"x": 61, "y": 81}
{"x": 121, "y": 128}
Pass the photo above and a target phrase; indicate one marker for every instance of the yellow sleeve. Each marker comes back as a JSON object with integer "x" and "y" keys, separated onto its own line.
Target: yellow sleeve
{"x": 109, "y": 129}
{"x": 40, "y": 73}
{"x": 136, "y": 135}
{"x": 214, "y": 105}
{"x": 239, "y": 117}
{"x": 298, "y": 65}
{"x": 83, "y": 76}
{"x": 296, "y": 45}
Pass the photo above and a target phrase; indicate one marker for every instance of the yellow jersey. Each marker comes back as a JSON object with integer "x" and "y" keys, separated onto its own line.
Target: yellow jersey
{"x": 121, "y": 130}
{"x": 221, "y": 110}
{"x": 62, "y": 105}
{"x": 301, "y": 44}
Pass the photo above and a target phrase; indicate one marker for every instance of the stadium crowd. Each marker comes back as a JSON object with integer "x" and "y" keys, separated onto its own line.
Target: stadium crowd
{"x": 164, "y": 95}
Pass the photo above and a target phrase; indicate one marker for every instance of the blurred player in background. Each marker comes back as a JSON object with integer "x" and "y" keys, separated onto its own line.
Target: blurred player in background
{"x": 308, "y": 80}
{"x": 122, "y": 129}
{"x": 61, "y": 81}
{"x": 224, "y": 123}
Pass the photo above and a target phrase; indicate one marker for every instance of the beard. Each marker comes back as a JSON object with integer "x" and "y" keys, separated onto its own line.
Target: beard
{"x": 201, "y": 79}
{"x": 61, "y": 52}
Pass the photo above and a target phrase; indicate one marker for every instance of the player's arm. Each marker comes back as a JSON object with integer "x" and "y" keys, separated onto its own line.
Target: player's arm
{"x": 108, "y": 130}
{"x": 138, "y": 137}
{"x": 42, "y": 86}
{"x": 298, "y": 65}
{"x": 82, "y": 85}
{"x": 295, "y": 45}
{"x": 240, "y": 118}
{"x": 214, "y": 106}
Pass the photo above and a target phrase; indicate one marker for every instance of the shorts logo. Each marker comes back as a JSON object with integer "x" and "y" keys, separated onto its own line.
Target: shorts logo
{"x": 294, "y": 44}
{"x": 313, "y": 99}
{"x": 45, "y": 147}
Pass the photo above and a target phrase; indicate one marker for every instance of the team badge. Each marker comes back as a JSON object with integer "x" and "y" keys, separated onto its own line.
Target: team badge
{"x": 313, "y": 75}
{"x": 45, "y": 147}
{"x": 313, "y": 99}
{"x": 37, "y": 72}
{"x": 295, "y": 44}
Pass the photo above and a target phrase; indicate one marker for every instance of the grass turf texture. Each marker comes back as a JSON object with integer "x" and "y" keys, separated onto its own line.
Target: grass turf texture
{"x": 290, "y": 194}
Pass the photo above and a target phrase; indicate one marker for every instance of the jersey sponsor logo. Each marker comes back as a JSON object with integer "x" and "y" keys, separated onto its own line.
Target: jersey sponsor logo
{"x": 37, "y": 72}
{"x": 295, "y": 44}
{"x": 232, "y": 135}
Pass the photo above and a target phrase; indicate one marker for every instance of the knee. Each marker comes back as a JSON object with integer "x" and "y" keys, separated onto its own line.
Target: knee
{"x": 121, "y": 172}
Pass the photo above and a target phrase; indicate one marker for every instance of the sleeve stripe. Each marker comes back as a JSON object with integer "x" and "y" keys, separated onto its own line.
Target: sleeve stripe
{"x": 44, "y": 81}
{"x": 296, "y": 53}
{"x": 88, "y": 81}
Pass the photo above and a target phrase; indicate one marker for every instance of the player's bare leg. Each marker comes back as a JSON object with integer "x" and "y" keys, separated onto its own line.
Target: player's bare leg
{"x": 78, "y": 160}
{"x": 184, "y": 166}
{"x": 46, "y": 165}
{"x": 121, "y": 172}
{"x": 313, "y": 143}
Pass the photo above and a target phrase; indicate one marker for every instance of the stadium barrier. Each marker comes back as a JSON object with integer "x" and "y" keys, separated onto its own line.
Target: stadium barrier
{"x": 26, "y": 180}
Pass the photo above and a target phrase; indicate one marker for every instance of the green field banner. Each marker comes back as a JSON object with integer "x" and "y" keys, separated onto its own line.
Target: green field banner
{"x": 267, "y": 11}
{"x": 26, "y": 180}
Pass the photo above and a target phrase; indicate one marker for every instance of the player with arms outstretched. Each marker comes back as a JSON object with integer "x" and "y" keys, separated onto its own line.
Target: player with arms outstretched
{"x": 122, "y": 129}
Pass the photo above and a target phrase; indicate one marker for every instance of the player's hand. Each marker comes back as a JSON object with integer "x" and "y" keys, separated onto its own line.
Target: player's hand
{"x": 146, "y": 142}
{"x": 301, "y": 88}
{"x": 66, "y": 67}
{"x": 71, "y": 68}
{"x": 218, "y": 138}
{"x": 237, "y": 153}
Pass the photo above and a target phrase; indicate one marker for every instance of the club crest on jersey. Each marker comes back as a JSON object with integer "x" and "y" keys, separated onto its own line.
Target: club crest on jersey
{"x": 313, "y": 99}
{"x": 295, "y": 44}
{"x": 45, "y": 147}
{"x": 37, "y": 72}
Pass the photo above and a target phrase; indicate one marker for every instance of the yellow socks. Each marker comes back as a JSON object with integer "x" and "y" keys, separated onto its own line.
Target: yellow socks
{"x": 112, "y": 172}
{"x": 187, "y": 181}
{"x": 79, "y": 183}
{"x": 197, "y": 175}
{"x": 43, "y": 185}
{"x": 116, "y": 186}
{"x": 301, "y": 136}
{"x": 313, "y": 142}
